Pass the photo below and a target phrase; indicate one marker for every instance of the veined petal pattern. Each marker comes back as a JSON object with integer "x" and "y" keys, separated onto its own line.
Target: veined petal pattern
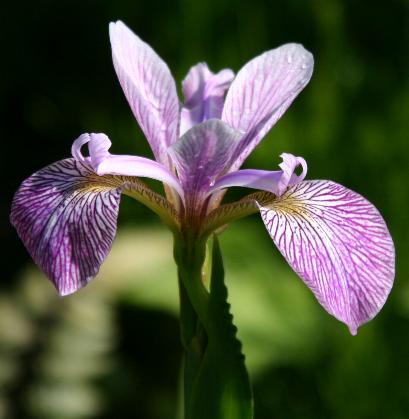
{"x": 66, "y": 216}
{"x": 103, "y": 162}
{"x": 262, "y": 91}
{"x": 339, "y": 245}
{"x": 202, "y": 154}
{"x": 204, "y": 95}
{"x": 149, "y": 87}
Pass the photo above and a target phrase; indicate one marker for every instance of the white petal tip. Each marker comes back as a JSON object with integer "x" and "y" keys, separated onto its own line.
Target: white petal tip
{"x": 118, "y": 29}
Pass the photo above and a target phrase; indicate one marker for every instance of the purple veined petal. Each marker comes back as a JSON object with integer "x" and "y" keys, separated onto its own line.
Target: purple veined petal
{"x": 66, "y": 217}
{"x": 202, "y": 154}
{"x": 204, "y": 95}
{"x": 105, "y": 163}
{"x": 262, "y": 91}
{"x": 339, "y": 245}
{"x": 275, "y": 182}
{"x": 149, "y": 88}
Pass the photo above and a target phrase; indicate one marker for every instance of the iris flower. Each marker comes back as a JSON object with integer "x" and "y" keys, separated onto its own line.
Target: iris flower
{"x": 333, "y": 238}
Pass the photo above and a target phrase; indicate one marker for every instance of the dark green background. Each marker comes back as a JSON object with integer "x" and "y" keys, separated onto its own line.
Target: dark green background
{"x": 351, "y": 124}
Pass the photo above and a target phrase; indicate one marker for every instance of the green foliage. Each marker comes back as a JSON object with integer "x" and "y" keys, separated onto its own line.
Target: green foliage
{"x": 220, "y": 387}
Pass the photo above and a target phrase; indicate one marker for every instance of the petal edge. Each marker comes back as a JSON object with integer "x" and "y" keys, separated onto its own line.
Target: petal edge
{"x": 66, "y": 221}
{"x": 149, "y": 88}
{"x": 339, "y": 245}
{"x": 262, "y": 91}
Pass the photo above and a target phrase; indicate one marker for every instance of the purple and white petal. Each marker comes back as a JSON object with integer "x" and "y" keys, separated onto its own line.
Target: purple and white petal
{"x": 149, "y": 87}
{"x": 275, "y": 182}
{"x": 262, "y": 91}
{"x": 103, "y": 162}
{"x": 66, "y": 217}
{"x": 339, "y": 245}
{"x": 204, "y": 95}
{"x": 202, "y": 154}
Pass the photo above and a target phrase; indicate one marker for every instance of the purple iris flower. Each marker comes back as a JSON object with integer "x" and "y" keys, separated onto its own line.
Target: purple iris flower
{"x": 333, "y": 238}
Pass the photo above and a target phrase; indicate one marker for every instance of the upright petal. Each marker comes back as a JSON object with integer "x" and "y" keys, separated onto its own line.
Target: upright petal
{"x": 149, "y": 87}
{"x": 204, "y": 95}
{"x": 103, "y": 162}
{"x": 202, "y": 154}
{"x": 339, "y": 245}
{"x": 66, "y": 217}
{"x": 262, "y": 91}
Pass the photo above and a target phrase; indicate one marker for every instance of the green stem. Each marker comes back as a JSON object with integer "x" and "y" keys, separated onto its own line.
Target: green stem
{"x": 193, "y": 300}
{"x": 190, "y": 256}
{"x": 216, "y": 380}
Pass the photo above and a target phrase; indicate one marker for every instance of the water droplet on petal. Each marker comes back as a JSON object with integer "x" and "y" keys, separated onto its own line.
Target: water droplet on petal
{"x": 303, "y": 66}
{"x": 289, "y": 58}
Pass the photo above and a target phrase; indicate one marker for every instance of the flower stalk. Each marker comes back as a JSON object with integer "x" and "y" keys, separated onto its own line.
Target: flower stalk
{"x": 216, "y": 382}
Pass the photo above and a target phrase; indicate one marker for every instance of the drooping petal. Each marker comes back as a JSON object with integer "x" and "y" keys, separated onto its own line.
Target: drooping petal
{"x": 103, "y": 162}
{"x": 202, "y": 154}
{"x": 275, "y": 182}
{"x": 149, "y": 87}
{"x": 339, "y": 245}
{"x": 66, "y": 218}
{"x": 262, "y": 91}
{"x": 204, "y": 95}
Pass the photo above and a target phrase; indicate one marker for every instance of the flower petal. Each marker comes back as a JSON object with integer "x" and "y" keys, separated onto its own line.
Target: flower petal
{"x": 66, "y": 218}
{"x": 202, "y": 154}
{"x": 339, "y": 245}
{"x": 250, "y": 178}
{"x": 275, "y": 182}
{"x": 262, "y": 91}
{"x": 104, "y": 162}
{"x": 149, "y": 87}
{"x": 288, "y": 166}
{"x": 204, "y": 95}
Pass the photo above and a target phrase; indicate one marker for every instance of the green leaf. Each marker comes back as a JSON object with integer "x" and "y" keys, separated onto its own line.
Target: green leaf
{"x": 222, "y": 388}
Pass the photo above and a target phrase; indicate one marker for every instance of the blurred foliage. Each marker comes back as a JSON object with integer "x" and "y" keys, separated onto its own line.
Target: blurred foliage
{"x": 112, "y": 350}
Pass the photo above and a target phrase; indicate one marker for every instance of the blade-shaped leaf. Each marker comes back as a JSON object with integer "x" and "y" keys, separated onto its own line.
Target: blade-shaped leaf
{"x": 222, "y": 388}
